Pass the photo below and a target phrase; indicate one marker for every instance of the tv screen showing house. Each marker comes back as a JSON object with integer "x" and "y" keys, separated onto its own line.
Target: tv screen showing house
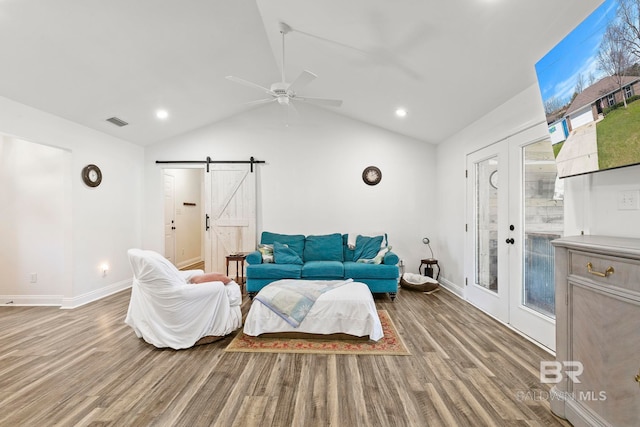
{"x": 590, "y": 86}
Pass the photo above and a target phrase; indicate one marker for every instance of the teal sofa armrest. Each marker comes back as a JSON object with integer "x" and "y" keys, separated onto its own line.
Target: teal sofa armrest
{"x": 390, "y": 258}
{"x": 254, "y": 257}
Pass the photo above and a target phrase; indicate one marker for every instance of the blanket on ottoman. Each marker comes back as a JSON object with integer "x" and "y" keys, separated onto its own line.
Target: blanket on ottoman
{"x": 292, "y": 301}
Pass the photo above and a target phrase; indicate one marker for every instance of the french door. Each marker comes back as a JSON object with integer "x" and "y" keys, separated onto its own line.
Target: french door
{"x": 514, "y": 210}
{"x": 488, "y": 234}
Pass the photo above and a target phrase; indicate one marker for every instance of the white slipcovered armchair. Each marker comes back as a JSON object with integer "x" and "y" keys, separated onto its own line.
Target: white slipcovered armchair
{"x": 168, "y": 311}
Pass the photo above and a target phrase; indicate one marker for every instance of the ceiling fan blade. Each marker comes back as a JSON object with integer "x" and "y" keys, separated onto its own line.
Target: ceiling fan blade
{"x": 291, "y": 114}
{"x": 250, "y": 84}
{"x": 260, "y": 101}
{"x": 320, "y": 101}
{"x": 301, "y": 81}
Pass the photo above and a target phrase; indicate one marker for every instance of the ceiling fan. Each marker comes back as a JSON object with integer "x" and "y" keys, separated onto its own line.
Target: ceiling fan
{"x": 284, "y": 92}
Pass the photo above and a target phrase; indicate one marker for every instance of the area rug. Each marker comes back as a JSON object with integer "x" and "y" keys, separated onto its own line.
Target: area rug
{"x": 390, "y": 344}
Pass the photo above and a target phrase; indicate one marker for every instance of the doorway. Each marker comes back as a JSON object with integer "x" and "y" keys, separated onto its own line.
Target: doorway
{"x": 514, "y": 211}
{"x": 183, "y": 216}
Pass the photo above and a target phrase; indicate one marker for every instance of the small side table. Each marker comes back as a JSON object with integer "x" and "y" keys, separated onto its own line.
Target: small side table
{"x": 430, "y": 263}
{"x": 239, "y": 259}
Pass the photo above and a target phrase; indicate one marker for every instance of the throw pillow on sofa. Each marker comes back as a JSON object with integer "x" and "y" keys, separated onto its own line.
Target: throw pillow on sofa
{"x": 267, "y": 252}
{"x": 367, "y": 247}
{"x": 294, "y": 241}
{"x": 378, "y": 258}
{"x": 283, "y": 254}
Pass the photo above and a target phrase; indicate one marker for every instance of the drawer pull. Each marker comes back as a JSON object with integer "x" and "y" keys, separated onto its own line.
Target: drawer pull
{"x": 608, "y": 271}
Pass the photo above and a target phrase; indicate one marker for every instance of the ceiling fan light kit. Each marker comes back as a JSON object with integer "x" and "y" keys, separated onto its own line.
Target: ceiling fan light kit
{"x": 284, "y": 92}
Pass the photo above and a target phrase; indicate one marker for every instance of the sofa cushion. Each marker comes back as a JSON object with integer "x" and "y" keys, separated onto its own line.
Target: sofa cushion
{"x": 274, "y": 271}
{"x": 356, "y": 270}
{"x": 367, "y": 247}
{"x": 323, "y": 269}
{"x": 294, "y": 241}
{"x": 283, "y": 254}
{"x": 323, "y": 248}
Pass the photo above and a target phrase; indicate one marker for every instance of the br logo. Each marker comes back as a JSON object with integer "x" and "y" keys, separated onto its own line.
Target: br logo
{"x": 553, "y": 371}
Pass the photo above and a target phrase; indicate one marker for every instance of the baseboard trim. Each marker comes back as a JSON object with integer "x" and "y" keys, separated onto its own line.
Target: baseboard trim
{"x": 31, "y": 300}
{"x": 61, "y": 301}
{"x": 453, "y": 288}
{"x": 189, "y": 262}
{"x": 80, "y": 300}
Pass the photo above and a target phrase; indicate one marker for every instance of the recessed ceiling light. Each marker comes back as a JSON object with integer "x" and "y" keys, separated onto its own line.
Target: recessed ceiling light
{"x": 401, "y": 112}
{"x": 162, "y": 114}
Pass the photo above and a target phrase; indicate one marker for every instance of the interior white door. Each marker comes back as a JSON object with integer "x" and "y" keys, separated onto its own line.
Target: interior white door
{"x": 169, "y": 218}
{"x": 231, "y": 214}
{"x": 513, "y": 212}
{"x": 488, "y": 236}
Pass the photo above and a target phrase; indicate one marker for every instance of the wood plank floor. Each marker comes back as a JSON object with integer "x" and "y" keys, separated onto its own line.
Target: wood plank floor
{"x": 86, "y": 367}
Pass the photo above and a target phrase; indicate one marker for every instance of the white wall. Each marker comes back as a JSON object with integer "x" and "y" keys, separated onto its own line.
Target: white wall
{"x": 104, "y": 221}
{"x": 590, "y": 200}
{"x": 603, "y": 216}
{"x": 34, "y": 220}
{"x": 311, "y": 183}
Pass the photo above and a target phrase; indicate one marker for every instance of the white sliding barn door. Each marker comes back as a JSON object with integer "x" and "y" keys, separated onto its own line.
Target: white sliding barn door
{"x": 231, "y": 208}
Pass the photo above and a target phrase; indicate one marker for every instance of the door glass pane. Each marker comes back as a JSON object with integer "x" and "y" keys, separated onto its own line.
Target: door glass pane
{"x": 487, "y": 224}
{"x": 544, "y": 221}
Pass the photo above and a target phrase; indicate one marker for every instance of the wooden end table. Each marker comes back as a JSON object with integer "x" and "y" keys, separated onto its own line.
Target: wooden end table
{"x": 239, "y": 259}
{"x": 428, "y": 270}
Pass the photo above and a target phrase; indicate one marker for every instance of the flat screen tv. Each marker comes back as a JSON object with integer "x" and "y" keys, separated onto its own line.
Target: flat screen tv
{"x": 590, "y": 86}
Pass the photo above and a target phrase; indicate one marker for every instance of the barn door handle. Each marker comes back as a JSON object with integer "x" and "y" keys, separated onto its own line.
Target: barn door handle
{"x": 206, "y": 222}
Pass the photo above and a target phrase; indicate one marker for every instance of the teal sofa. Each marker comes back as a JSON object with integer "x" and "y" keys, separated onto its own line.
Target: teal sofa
{"x": 324, "y": 257}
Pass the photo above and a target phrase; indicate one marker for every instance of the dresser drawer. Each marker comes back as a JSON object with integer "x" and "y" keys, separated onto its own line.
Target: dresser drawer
{"x": 607, "y": 271}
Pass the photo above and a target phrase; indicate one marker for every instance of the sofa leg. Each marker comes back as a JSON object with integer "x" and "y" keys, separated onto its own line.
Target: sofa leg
{"x": 392, "y": 295}
{"x": 252, "y": 295}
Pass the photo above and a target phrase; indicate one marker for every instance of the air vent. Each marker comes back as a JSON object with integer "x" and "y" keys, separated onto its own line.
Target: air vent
{"x": 118, "y": 122}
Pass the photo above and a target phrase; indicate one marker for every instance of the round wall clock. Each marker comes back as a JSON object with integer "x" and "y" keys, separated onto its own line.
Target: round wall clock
{"x": 91, "y": 175}
{"x": 371, "y": 175}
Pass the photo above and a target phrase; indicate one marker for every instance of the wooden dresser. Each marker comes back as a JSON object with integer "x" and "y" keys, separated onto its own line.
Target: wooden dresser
{"x": 597, "y": 329}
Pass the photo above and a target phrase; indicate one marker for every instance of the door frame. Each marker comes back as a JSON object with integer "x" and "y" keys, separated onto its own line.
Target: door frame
{"x": 199, "y": 204}
{"x": 169, "y": 213}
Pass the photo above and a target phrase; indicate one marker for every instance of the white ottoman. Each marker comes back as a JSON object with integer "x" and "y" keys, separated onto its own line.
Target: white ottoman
{"x": 349, "y": 309}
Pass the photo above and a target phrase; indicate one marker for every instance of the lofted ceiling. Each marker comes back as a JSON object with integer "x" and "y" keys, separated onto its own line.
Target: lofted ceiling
{"x": 446, "y": 62}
